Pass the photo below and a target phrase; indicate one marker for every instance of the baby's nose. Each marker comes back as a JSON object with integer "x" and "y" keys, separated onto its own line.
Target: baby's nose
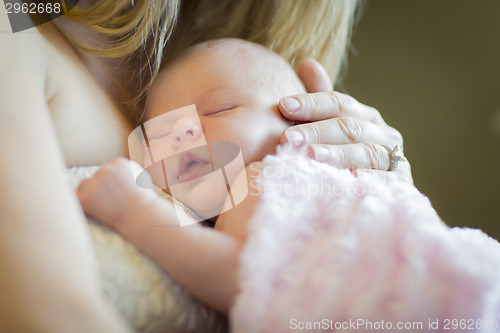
{"x": 185, "y": 130}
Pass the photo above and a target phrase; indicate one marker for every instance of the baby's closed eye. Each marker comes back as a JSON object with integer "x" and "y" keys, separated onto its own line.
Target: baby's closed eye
{"x": 219, "y": 108}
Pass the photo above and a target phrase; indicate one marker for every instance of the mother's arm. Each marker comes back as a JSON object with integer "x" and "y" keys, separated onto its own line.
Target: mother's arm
{"x": 48, "y": 280}
{"x": 338, "y": 129}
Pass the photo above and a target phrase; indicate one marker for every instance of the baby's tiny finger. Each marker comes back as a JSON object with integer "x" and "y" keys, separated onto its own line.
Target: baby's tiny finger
{"x": 83, "y": 194}
{"x": 82, "y": 188}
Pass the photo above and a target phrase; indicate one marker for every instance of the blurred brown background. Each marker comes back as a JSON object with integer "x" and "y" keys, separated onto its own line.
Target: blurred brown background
{"x": 432, "y": 68}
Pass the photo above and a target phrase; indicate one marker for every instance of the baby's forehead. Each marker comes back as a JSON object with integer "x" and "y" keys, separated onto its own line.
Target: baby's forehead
{"x": 252, "y": 62}
{"x": 228, "y": 53}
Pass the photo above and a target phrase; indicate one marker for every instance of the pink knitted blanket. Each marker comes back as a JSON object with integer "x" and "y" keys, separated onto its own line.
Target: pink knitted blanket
{"x": 331, "y": 252}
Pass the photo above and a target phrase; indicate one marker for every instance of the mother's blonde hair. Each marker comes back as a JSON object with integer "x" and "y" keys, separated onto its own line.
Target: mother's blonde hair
{"x": 295, "y": 29}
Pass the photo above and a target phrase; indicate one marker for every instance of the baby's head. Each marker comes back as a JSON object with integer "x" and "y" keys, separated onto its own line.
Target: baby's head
{"x": 236, "y": 86}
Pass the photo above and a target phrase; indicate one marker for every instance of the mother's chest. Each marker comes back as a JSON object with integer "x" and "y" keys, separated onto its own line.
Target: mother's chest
{"x": 89, "y": 123}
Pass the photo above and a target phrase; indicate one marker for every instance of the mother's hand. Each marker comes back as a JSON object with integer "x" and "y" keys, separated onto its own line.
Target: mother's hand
{"x": 339, "y": 130}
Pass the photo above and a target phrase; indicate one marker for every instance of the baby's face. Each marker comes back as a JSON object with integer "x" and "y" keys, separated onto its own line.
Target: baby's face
{"x": 177, "y": 140}
{"x": 232, "y": 105}
{"x": 235, "y": 104}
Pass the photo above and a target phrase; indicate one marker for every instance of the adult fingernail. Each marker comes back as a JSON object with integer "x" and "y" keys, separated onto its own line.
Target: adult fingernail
{"x": 309, "y": 60}
{"x": 295, "y": 138}
{"x": 321, "y": 154}
{"x": 290, "y": 104}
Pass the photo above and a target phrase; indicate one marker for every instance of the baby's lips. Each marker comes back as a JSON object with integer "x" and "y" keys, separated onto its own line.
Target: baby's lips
{"x": 179, "y": 163}
{"x": 194, "y": 172}
{"x": 192, "y": 166}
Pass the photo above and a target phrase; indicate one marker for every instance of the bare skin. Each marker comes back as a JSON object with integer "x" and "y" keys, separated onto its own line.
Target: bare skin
{"x": 203, "y": 260}
{"x": 50, "y": 107}
{"x": 234, "y": 105}
{"x": 235, "y": 86}
{"x": 60, "y": 109}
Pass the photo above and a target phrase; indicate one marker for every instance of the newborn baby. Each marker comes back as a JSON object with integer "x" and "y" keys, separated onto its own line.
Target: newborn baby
{"x": 340, "y": 250}
{"x": 235, "y": 86}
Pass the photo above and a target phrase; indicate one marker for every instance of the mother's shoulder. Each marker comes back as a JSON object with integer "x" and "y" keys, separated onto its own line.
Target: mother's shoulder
{"x": 20, "y": 53}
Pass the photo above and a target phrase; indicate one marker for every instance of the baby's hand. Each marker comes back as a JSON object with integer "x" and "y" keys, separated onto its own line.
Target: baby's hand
{"x": 112, "y": 194}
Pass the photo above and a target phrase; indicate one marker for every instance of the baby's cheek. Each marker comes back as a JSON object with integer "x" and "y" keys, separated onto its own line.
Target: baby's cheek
{"x": 268, "y": 137}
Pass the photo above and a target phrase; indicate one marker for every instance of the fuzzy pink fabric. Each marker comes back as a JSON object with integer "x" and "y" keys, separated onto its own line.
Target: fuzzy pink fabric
{"x": 330, "y": 249}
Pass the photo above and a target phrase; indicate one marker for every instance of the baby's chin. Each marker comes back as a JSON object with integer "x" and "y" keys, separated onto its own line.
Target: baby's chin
{"x": 206, "y": 198}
